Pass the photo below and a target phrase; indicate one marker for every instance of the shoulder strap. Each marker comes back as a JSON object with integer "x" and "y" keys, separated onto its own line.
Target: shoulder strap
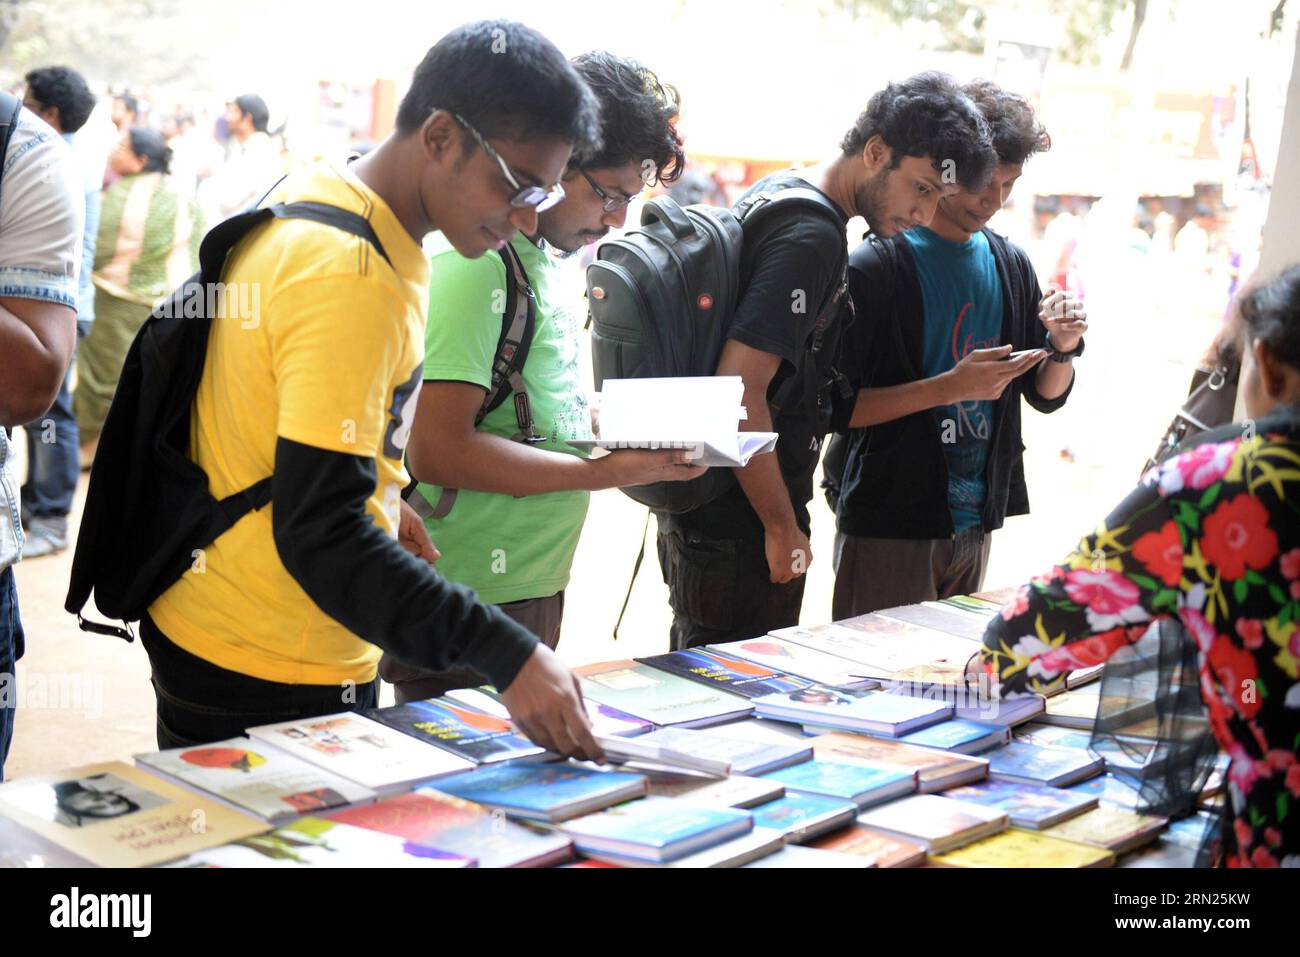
{"x": 10, "y": 109}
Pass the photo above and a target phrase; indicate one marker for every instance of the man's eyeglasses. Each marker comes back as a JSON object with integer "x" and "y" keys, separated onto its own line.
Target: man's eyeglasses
{"x": 611, "y": 203}
{"x": 525, "y": 196}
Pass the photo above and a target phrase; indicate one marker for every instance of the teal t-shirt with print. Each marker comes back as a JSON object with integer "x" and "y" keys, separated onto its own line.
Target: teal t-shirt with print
{"x": 506, "y": 548}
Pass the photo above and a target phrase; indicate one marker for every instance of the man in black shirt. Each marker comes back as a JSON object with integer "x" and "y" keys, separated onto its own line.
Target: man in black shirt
{"x": 933, "y": 462}
{"x": 735, "y": 566}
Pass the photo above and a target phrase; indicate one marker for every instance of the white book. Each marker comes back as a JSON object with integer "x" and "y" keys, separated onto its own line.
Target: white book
{"x": 800, "y": 661}
{"x": 939, "y": 823}
{"x": 706, "y": 751}
{"x": 365, "y": 751}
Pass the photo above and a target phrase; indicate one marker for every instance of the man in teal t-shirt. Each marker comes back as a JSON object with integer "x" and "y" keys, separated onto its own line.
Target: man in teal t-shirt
{"x": 519, "y": 507}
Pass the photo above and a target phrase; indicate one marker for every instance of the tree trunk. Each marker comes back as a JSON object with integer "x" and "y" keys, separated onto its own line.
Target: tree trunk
{"x": 1139, "y": 18}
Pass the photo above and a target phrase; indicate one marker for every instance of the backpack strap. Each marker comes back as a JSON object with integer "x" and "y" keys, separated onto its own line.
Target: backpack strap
{"x": 224, "y": 236}
{"x": 518, "y": 323}
{"x": 10, "y": 109}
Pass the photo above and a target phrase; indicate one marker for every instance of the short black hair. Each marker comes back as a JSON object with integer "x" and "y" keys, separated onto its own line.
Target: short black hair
{"x": 255, "y": 108}
{"x": 1272, "y": 312}
{"x": 153, "y": 147}
{"x": 928, "y": 115}
{"x": 1013, "y": 125}
{"x": 130, "y": 102}
{"x": 638, "y": 115}
{"x": 65, "y": 88}
{"x": 507, "y": 81}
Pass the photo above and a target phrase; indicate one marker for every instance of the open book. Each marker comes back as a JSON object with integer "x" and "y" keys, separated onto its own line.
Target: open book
{"x": 698, "y": 414}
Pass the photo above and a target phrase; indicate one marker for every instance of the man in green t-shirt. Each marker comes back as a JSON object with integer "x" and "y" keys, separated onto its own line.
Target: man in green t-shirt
{"x": 519, "y": 507}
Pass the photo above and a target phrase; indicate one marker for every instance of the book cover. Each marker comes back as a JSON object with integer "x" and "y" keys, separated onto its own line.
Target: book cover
{"x": 1031, "y": 764}
{"x": 264, "y": 781}
{"x": 861, "y": 783}
{"x": 877, "y": 848}
{"x": 317, "y": 842}
{"x": 799, "y": 816}
{"x": 365, "y": 751}
{"x": 543, "y": 792}
{"x": 880, "y": 647}
{"x": 736, "y": 852}
{"x": 939, "y": 823}
{"x": 959, "y": 735}
{"x": 936, "y": 770}
{"x": 656, "y": 829}
{"x": 657, "y": 696}
{"x": 973, "y": 605}
{"x": 998, "y": 596}
{"x": 428, "y": 817}
{"x": 704, "y": 750}
{"x": 793, "y": 659}
{"x": 605, "y": 721}
{"x": 716, "y": 669}
{"x": 469, "y": 733}
{"x": 1053, "y": 736}
{"x": 1025, "y": 849}
{"x": 862, "y": 711}
{"x": 1027, "y": 805}
{"x": 113, "y": 815}
{"x": 707, "y": 791}
{"x": 934, "y": 617}
{"x": 1114, "y": 828}
{"x": 1109, "y": 789}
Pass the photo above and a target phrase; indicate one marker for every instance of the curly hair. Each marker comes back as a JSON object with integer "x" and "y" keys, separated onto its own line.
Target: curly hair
{"x": 928, "y": 115}
{"x": 638, "y": 115}
{"x": 66, "y": 89}
{"x": 1013, "y": 126}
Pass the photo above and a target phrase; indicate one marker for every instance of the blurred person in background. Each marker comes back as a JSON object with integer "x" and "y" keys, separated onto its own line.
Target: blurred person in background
{"x": 252, "y": 166}
{"x": 148, "y": 244}
{"x": 59, "y": 95}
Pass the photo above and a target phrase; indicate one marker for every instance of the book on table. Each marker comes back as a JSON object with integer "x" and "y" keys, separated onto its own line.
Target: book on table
{"x": 876, "y": 847}
{"x": 467, "y": 732}
{"x": 1025, "y": 849}
{"x": 111, "y": 815}
{"x": 870, "y": 711}
{"x": 794, "y": 659}
{"x": 365, "y": 751}
{"x": 1029, "y": 806}
{"x": 719, "y": 670}
{"x": 959, "y": 736}
{"x": 936, "y": 770}
{"x": 707, "y": 790}
{"x": 1109, "y": 789}
{"x": 968, "y": 627}
{"x": 317, "y": 842}
{"x": 704, "y": 750}
{"x": 1052, "y": 767}
{"x": 735, "y": 852}
{"x": 938, "y": 823}
{"x": 803, "y": 857}
{"x": 659, "y": 697}
{"x": 857, "y": 781}
{"x": 429, "y": 817}
{"x": 544, "y": 792}
{"x": 800, "y": 817}
{"x": 606, "y": 721}
{"x": 1114, "y": 828}
{"x": 881, "y": 647}
{"x": 655, "y": 829}
{"x": 244, "y": 774}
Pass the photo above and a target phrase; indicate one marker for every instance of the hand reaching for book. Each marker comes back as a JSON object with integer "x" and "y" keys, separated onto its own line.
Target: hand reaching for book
{"x": 545, "y": 703}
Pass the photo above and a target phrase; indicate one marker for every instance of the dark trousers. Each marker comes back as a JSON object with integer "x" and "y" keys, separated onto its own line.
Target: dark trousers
{"x": 541, "y": 616}
{"x": 721, "y": 589}
{"x": 53, "y": 458}
{"x": 11, "y": 649}
{"x": 876, "y": 573}
{"x": 199, "y": 702}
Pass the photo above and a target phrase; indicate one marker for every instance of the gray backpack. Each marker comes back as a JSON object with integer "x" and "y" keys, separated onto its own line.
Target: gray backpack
{"x": 661, "y": 299}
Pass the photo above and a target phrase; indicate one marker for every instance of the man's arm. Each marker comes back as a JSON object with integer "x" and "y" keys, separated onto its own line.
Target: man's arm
{"x": 787, "y": 546}
{"x": 446, "y": 449}
{"x": 36, "y": 339}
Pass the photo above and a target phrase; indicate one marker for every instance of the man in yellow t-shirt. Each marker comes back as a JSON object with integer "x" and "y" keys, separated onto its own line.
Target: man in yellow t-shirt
{"x": 312, "y": 375}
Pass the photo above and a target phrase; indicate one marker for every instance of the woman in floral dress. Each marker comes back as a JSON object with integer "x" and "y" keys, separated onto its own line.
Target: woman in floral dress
{"x": 1211, "y": 536}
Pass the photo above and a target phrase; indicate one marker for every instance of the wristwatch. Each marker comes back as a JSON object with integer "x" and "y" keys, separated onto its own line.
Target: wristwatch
{"x": 1058, "y": 356}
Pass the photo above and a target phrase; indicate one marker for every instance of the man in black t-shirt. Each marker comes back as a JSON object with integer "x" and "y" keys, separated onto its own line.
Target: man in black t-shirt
{"x": 735, "y": 567}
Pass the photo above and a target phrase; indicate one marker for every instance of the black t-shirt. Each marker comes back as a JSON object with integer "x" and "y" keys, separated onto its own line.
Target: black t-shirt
{"x": 790, "y": 264}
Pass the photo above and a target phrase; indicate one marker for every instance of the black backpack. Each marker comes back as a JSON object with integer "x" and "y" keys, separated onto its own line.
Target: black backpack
{"x": 148, "y": 508}
{"x": 661, "y": 299}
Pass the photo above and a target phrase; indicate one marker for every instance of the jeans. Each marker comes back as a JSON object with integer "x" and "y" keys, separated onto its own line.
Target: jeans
{"x": 199, "y": 702}
{"x": 11, "y": 649}
{"x": 53, "y": 458}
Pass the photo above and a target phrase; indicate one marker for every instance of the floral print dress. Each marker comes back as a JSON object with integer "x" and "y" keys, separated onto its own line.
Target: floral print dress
{"x": 1211, "y": 536}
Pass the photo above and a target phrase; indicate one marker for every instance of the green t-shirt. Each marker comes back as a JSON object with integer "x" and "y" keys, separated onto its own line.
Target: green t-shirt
{"x": 507, "y": 548}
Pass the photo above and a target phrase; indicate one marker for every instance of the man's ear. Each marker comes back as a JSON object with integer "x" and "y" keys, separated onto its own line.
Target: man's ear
{"x": 876, "y": 154}
{"x": 1271, "y": 373}
{"x": 440, "y": 135}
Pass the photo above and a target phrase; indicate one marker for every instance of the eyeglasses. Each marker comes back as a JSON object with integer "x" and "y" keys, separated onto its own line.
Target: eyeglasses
{"x": 612, "y": 203}
{"x": 525, "y": 196}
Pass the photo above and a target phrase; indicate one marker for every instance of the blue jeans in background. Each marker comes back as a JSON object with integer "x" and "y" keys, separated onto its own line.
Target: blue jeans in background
{"x": 53, "y": 458}
{"x": 11, "y": 649}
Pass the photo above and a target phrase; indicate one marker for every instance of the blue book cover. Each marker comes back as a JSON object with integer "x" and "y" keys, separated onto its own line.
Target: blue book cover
{"x": 465, "y": 731}
{"x": 798, "y": 811}
{"x": 875, "y": 711}
{"x": 543, "y": 791}
{"x": 726, "y": 671}
{"x": 1028, "y": 762}
{"x": 1027, "y": 805}
{"x": 954, "y": 734}
{"x": 651, "y": 828}
{"x": 1110, "y": 789}
{"x": 852, "y": 782}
